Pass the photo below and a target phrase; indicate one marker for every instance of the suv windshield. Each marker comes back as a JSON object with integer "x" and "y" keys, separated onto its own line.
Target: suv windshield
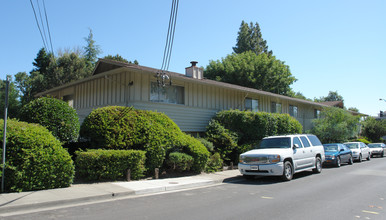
{"x": 284, "y": 142}
{"x": 352, "y": 145}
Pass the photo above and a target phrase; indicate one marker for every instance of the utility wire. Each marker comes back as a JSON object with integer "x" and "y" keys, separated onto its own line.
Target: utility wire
{"x": 170, "y": 36}
{"x": 37, "y": 23}
{"x": 41, "y": 20}
{"x": 48, "y": 28}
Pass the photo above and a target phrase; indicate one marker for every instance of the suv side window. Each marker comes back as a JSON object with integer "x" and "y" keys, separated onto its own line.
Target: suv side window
{"x": 314, "y": 140}
{"x": 305, "y": 141}
{"x": 297, "y": 141}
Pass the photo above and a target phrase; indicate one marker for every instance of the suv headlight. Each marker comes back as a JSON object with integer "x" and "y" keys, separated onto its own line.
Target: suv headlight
{"x": 241, "y": 159}
{"x": 274, "y": 158}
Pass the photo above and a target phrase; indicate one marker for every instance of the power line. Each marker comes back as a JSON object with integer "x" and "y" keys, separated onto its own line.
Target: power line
{"x": 37, "y": 23}
{"x": 161, "y": 75}
{"x": 48, "y": 27}
{"x": 41, "y": 20}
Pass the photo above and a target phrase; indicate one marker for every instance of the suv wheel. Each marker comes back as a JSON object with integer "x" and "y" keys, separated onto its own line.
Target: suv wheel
{"x": 368, "y": 157}
{"x": 288, "y": 171}
{"x": 318, "y": 165}
{"x": 360, "y": 158}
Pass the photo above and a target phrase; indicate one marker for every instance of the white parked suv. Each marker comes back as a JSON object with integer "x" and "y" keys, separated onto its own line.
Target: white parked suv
{"x": 283, "y": 156}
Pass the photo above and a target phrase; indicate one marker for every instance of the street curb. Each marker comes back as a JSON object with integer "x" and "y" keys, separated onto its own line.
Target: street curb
{"x": 51, "y": 204}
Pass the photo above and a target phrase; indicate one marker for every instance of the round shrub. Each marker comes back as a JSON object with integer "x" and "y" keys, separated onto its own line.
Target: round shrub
{"x": 54, "y": 114}
{"x": 179, "y": 161}
{"x": 118, "y": 127}
{"x": 35, "y": 159}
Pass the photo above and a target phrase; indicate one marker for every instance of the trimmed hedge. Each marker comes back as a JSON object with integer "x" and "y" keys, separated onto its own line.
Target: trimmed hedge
{"x": 35, "y": 159}
{"x": 110, "y": 164}
{"x": 179, "y": 161}
{"x": 214, "y": 163}
{"x": 118, "y": 127}
{"x": 54, "y": 114}
{"x": 233, "y": 131}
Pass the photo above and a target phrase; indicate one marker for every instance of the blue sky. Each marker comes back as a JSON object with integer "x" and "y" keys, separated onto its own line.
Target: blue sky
{"x": 329, "y": 45}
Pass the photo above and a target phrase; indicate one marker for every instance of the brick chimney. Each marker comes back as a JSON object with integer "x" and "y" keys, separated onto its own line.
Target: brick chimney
{"x": 194, "y": 71}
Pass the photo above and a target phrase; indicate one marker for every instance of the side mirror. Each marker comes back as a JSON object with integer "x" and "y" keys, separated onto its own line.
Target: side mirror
{"x": 295, "y": 146}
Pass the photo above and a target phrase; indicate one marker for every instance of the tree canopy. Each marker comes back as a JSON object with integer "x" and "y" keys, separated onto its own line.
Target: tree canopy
{"x": 119, "y": 58}
{"x": 374, "y": 129}
{"x": 250, "y": 39}
{"x": 13, "y": 99}
{"x": 332, "y": 96}
{"x": 248, "y": 69}
{"x": 91, "y": 50}
{"x": 335, "y": 125}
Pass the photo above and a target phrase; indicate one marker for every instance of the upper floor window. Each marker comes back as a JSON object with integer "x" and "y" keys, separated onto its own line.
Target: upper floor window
{"x": 168, "y": 94}
{"x": 275, "y": 107}
{"x": 251, "y": 105}
{"x": 293, "y": 111}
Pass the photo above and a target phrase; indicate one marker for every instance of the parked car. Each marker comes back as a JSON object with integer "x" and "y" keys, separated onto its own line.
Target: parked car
{"x": 337, "y": 154}
{"x": 283, "y": 156}
{"x": 377, "y": 149}
{"x": 359, "y": 150}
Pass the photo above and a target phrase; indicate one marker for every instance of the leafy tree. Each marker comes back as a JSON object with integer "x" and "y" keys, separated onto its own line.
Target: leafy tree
{"x": 298, "y": 95}
{"x": 119, "y": 58}
{"x": 353, "y": 109}
{"x": 13, "y": 99}
{"x": 335, "y": 125}
{"x": 250, "y": 39}
{"x": 332, "y": 96}
{"x": 374, "y": 129}
{"x": 254, "y": 71}
{"x": 91, "y": 50}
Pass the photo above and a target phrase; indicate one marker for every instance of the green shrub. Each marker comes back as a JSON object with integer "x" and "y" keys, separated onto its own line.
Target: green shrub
{"x": 54, "y": 114}
{"x": 209, "y": 145}
{"x": 35, "y": 159}
{"x": 110, "y": 164}
{"x": 214, "y": 163}
{"x": 233, "y": 131}
{"x": 117, "y": 127}
{"x": 224, "y": 141}
{"x": 179, "y": 161}
{"x": 194, "y": 148}
{"x": 374, "y": 129}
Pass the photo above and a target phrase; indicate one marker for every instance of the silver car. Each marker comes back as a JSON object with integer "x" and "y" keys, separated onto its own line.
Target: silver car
{"x": 359, "y": 150}
{"x": 377, "y": 149}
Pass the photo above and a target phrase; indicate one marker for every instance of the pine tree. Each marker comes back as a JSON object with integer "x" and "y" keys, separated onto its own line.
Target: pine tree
{"x": 250, "y": 39}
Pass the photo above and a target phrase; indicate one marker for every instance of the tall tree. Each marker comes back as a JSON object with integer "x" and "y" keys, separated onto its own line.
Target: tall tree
{"x": 91, "y": 50}
{"x": 332, "y": 96}
{"x": 374, "y": 129}
{"x": 13, "y": 99}
{"x": 254, "y": 71}
{"x": 250, "y": 39}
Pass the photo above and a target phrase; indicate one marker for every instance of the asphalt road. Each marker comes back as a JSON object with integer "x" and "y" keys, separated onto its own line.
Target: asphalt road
{"x": 350, "y": 192}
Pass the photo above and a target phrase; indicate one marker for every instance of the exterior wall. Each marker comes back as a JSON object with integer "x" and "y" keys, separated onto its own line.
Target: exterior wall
{"x": 201, "y": 101}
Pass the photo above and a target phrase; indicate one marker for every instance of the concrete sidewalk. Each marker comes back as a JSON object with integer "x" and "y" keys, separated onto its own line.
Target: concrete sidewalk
{"x": 81, "y": 193}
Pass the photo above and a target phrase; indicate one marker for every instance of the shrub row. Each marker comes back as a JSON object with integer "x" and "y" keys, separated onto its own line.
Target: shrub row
{"x": 110, "y": 164}
{"x": 233, "y": 131}
{"x": 35, "y": 159}
{"x": 118, "y": 127}
{"x": 179, "y": 161}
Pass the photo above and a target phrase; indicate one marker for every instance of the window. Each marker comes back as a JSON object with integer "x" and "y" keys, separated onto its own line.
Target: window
{"x": 305, "y": 141}
{"x": 316, "y": 113}
{"x": 297, "y": 141}
{"x": 275, "y": 107}
{"x": 251, "y": 105}
{"x": 314, "y": 140}
{"x": 167, "y": 94}
{"x": 293, "y": 111}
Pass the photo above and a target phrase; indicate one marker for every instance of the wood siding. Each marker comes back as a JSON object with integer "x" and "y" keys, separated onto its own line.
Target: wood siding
{"x": 201, "y": 100}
